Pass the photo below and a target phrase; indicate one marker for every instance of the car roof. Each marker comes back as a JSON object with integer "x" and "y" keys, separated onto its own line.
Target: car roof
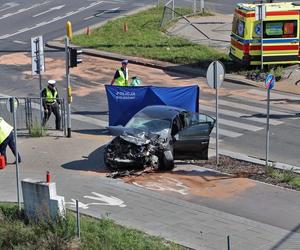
{"x": 161, "y": 111}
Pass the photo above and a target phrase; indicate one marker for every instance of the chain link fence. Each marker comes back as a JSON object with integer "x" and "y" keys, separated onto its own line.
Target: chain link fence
{"x": 28, "y": 114}
{"x": 173, "y": 10}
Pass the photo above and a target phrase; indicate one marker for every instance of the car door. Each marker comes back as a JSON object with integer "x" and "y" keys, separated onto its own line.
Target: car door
{"x": 193, "y": 140}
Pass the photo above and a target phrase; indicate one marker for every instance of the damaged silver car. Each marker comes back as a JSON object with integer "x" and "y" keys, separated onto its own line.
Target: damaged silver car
{"x": 158, "y": 135}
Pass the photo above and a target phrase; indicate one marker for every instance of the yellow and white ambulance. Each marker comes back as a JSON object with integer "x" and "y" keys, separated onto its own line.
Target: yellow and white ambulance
{"x": 280, "y": 37}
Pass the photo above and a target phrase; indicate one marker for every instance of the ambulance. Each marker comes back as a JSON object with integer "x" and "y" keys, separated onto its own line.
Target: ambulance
{"x": 277, "y": 28}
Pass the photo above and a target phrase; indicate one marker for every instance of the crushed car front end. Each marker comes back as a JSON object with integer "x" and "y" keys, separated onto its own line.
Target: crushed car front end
{"x": 137, "y": 151}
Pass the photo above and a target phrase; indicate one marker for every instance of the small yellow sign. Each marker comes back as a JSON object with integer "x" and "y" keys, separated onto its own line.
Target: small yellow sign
{"x": 69, "y": 30}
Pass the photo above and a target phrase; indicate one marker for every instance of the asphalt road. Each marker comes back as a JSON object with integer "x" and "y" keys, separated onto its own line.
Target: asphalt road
{"x": 21, "y": 20}
{"x": 242, "y": 107}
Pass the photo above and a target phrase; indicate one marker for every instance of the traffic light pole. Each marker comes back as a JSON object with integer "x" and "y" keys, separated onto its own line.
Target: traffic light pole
{"x": 38, "y": 71}
{"x": 68, "y": 87}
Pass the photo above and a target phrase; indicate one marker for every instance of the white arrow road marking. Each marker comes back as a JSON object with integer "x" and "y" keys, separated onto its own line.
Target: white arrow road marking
{"x": 23, "y": 10}
{"x": 107, "y": 200}
{"x": 54, "y": 8}
{"x": 9, "y": 6}
{"x": 102, "y": 13}
{"x": 80, "y": 204}
{"x": 51, "y": 21}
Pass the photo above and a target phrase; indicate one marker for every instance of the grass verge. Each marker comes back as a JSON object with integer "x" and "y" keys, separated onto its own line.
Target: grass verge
{"x": 16, "y": 232}
{"x": 144, "y": 38}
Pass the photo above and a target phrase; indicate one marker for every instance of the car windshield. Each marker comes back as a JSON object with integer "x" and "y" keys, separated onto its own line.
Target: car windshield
{"x": 150, "y": 125}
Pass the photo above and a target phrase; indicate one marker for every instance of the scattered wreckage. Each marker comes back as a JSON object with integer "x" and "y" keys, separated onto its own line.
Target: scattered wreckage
{"x": 156, "y": 136}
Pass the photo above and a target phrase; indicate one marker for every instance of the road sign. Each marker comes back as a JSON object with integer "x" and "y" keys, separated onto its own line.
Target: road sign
{"x": 9, "y": 104}
{"x": 270, "y": 81}
{"x": 260, "y": 12}
{"x": 37, "y": 55}
{"x": 215, "y": 74}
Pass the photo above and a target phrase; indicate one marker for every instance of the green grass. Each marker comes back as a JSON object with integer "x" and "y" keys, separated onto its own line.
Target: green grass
{"x": 145, "y": 39}
{"x": 37, "y": 130}
{"x": 295, "y": 182}
{"x": 16, "y": 232}
{"x": 284, "y": 176}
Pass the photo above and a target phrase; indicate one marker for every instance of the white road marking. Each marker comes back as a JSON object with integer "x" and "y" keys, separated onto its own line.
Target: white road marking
{"x": 20, "y": 42}
{"x": 54, "y": 8}
{"x": 24, "y": 29}
{"x": 70, "y": 13}
{"x": 289, "y": 110}
{"x": 90, "y": 120}
{"x": 51, "y": 21}
{"x": 102, "y": 13}
{"x": 106, "y": 200}
{"x": 5, "y": 36}
{"x": 248, "y": 107}
{"x": 238, "y": 115}
{"x": 72, "y": 204}
{"x": 212, "y": 140}
{"x": 226, "y": 133}
{"x": 240, "y": 125}
{"x": 10, "y": 5}
{"x": 273, "y": 95}
{"x": 23, "y": 10}
{"x": 164, "y": 184}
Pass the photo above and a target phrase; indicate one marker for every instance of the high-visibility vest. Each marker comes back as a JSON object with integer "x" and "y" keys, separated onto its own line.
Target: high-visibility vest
{"x": 50, "y": 98}
{"x": 5, "y": 130}
{"x": 122, "y": 80}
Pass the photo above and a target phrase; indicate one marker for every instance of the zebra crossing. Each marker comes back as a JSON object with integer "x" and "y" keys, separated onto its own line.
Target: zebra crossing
{"x": 239, "y": 115}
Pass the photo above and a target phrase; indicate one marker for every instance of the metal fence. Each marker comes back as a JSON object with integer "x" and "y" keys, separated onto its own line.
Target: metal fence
{"x": 174, "y": 10}
{"x": 195, "y": 6}
{"x": 28, "y": 114}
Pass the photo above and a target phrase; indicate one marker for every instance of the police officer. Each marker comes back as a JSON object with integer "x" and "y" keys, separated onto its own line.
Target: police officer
{"x": 7, "y": 139}
{"x": 51, "y": 103}
{"x": 121, "y": 75}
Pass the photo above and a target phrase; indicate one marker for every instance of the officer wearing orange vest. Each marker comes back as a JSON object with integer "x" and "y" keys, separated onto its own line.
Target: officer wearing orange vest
{"x": 7, "y": 139}
{"x": 51, "y": 103}
{"x": 121, "y": 75}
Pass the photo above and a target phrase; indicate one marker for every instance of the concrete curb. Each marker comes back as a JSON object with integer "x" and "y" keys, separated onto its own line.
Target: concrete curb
{"x": 244, "y": 157}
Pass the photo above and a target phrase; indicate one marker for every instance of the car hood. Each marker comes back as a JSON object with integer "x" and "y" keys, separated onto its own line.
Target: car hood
{"x": 119, "y": 130}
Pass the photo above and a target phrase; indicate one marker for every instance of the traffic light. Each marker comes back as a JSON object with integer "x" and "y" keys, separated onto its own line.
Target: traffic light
{"x": 75, "y": 57}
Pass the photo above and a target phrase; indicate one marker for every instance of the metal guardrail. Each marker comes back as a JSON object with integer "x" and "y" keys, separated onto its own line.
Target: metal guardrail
{"x": 28, "y": 114}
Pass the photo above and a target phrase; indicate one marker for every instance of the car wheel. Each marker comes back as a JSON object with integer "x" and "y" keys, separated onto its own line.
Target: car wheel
{"x": 167, "y": 162}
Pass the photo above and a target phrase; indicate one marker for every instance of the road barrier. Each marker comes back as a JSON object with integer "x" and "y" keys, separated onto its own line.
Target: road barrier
{"x": 28, "y": 114}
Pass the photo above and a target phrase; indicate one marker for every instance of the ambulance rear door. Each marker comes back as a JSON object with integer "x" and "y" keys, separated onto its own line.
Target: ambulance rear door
{"x": 281, "y": 39}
